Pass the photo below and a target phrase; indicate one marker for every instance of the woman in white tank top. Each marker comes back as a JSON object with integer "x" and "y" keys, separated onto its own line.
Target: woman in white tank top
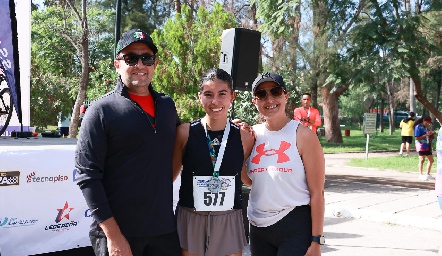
{"x": 286, "y": 172}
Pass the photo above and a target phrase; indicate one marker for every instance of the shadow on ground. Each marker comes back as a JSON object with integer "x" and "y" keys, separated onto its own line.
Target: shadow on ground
{"x": 380, "y": 180}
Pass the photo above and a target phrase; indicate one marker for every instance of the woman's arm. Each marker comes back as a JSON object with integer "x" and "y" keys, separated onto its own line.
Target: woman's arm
{"x": 182, "y": 134}
{"x": 314, "y": 163}
{"x": 248, "y": 140}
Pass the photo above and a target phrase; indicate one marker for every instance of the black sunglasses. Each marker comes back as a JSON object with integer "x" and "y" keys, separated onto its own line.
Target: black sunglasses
{"x": 276, "y": 91}
{"x": 131, "y": 59}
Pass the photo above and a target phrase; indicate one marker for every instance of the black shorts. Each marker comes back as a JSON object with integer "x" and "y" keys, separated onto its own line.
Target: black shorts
{"x": 425, "y": 153}
{"x": 291, "y": 236}
{"x": 407, "y": 139}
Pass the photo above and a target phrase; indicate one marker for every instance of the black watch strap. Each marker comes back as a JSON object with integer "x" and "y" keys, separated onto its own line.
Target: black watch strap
{"x": 318, "y": 239}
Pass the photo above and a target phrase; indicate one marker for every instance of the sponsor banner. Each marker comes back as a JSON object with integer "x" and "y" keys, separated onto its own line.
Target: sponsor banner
{"x": 9, "y": 178}
{"x": 45, "y": 210}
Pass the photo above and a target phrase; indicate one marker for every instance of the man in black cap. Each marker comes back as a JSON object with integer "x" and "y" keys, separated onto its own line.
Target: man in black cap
{"x": 124, "y": 158}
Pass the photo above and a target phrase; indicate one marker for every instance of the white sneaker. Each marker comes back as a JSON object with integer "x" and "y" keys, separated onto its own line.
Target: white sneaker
{"x": 407, "y": 155}
{"x": 423, "y": 177}
{"x": 400, "y": 153}
{"x": 430, "y": 177}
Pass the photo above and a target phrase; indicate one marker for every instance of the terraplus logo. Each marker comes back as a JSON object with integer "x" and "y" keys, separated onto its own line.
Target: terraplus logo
{"x": 63, "y": 214}
{"x": 16, "y": 222}
{"x": 32, "y": 177}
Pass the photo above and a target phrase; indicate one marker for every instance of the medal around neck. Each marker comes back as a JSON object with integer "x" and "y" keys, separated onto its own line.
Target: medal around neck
{"x": 214, "y": 185}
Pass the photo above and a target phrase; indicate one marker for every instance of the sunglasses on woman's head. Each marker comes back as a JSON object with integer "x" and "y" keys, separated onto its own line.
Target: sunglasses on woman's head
{"x": 131, "y": 59}
{"x": 276, "y": 91}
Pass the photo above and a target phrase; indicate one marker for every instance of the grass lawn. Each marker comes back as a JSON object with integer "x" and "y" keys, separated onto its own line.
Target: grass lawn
{"x": 397, "y": 163}
{"x": 356, "y": 142}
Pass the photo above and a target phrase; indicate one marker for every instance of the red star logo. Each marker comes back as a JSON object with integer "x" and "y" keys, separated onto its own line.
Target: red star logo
{"x": 63, "y": 213}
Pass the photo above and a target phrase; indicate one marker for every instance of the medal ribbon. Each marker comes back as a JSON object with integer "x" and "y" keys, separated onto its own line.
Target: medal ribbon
{"x": 216, "y": 161}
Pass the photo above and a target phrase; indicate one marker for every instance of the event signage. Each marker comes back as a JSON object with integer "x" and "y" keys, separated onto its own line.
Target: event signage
{"x": 17, "y": 66}
{"x": 370, "y": 123}
{"x": 9, "y": 178}
{"x": 44, "y": 210}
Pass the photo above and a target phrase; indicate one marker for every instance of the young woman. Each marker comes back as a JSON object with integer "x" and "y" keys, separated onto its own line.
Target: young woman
{"x": 211, "y": 153}
{"x": 287, "y": 175}
{"x": 423, "y": 137}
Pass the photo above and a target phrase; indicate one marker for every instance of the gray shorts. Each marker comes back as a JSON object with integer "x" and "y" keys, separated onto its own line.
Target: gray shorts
{"x": 211, "y": 233}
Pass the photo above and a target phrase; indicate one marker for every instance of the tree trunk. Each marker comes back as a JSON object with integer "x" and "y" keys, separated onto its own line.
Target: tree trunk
{"x": 381, "y": 115}
{"x": 412, "y": 98}
{"x": 277, "y": 49}
{"x": 177, "y": 6}
{"x": 419, "y": 95}
{"x": 439, "y": 84}
{"x": 390, "y": 91}
{"x": 295, "y": 38}
{"x": 331, "y": 113}
{"x": 84, "y": 80}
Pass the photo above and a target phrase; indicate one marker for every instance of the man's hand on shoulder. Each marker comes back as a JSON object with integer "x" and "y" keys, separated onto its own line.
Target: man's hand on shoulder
{"x": 244, "y": 126}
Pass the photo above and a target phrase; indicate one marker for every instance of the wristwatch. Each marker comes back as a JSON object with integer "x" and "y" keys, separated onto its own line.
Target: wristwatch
{"x": 318, "y": 239}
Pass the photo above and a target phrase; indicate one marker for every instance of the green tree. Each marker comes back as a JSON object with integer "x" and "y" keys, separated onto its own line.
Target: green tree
{"x": 61, "y": 43}
{"x": 142, "y": 14}
{"x": 390, "y": 40}
{"x": 321, "y": 37}
{"x": 187, "y": 47}
{"x": 52, "y": 66}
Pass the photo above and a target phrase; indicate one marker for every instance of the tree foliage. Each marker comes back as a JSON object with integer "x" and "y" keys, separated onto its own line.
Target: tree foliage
{"x": 326, "y": 47}
{"x": 322, "y": 30}
{"x": 390, "y": 43}
{"x": 187, "y": 47}
{"x": 52, "y": 66}
{"x": 56, "y": 63}
{"x": 142, "y": 14}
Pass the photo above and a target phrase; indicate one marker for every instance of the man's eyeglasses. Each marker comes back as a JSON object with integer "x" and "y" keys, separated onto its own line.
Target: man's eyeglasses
{"x": 275, "y": 92}
{"x": 131, "y": 59}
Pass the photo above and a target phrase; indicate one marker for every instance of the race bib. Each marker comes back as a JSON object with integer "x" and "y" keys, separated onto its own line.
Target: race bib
{"x": 221, "y": 199}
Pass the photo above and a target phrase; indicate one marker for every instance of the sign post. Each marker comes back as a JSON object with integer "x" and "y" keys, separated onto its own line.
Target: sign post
{"x": 369, "y": 128}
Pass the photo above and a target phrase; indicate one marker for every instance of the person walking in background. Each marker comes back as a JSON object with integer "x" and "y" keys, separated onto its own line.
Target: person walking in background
{"x": 63, "y": 125}
{"x": 407, "y": 126}
{"x": 124, "y": 158}
{"x": 307, "y": 115}
{"x": 423, "y": 137}
{"x": 286, "y": 171}
{"x": 211, "y": 152}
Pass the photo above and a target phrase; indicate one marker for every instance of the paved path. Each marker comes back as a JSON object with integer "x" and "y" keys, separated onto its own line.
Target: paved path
{"x": 385, "y": 196}
{"x": 372, "y": 212}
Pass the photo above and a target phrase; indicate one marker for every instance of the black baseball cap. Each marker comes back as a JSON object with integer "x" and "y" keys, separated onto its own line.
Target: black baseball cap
{"x": 133, "y": 36}
{"x": 268, "y": 77}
